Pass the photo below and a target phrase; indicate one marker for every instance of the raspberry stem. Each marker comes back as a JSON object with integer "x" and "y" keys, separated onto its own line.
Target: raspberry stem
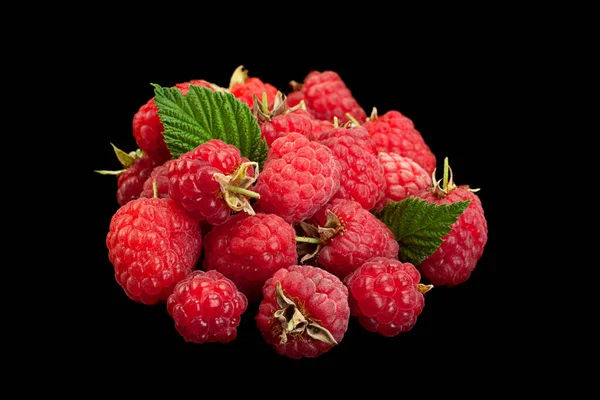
{"x": 265, "y": 103}
{"x": 245, "y": 192}
{"x": 352, "y": 119}
{"x": 155, "y": 189}
{"x": 305, "y": 239}
{"x": 445, "y": 184}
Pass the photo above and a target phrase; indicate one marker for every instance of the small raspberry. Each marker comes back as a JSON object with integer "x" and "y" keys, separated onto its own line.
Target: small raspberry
{"x": 304, "y": 311}
{"x": 320, "y": 126}
{"x": 362, "y": 176}
{"x": 394, "y": 133}
{"x": 159, "y": 176}
{"x": 298, "y": 178}
{"x": 249, "y": 249}
{"x": 386, "y": 296}
{"x": 211, "y": 181}
{"x": 294, "y": 98}
{"x": 147, "y": 128}
{"x": 206, "y": 307}
{"x": 244, "y": 88}
{"x": 152, "y": 244}
{"x": 456, "y": 258}
{"x": 131, "y": 182}
{"x": 403, "y": 177}
{"x": 327, "y": 96}
{"x": 349, "y": 235}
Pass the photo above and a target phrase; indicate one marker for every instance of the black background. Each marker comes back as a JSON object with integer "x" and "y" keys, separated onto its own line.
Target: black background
{"x": 448, "y": 86}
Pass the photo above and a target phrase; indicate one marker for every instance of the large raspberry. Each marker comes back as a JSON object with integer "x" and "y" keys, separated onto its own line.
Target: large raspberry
{"x": 249, "y": 249}
{"x": 327, "y": 96}
{"x": 244, "y": 88}
{"x": 211, "y": 181}
{"x": 304, "y": 311}
{"x": 362, "y": 177}
{"x": 349, "y": 235}
{"x": 152, "y": 244}
{"x": 395, "y": 133}
{"x": 298, "y": 178}
{"x": 386, "y": 296}
{"x": 147, "y": 128}
{"x": 206, "y": 307}
{"x": 455, "y": 259}
{"x": 403, "y": 177}
{"x": 130, "y": 183}
{"x": 160, "y": 178}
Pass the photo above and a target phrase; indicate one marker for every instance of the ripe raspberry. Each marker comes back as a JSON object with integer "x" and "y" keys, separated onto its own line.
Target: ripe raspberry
{"x": 386, "y": 296}
{"x": 394, "y": 133}
{"x": 131, "y": 182}
{"x": 326, "y": 96}
{"x": 349, "y": 235}
{"x": 304, "y": 311}
{"x": 294, "y": 98}
{"x": 455, "y": 259}
{"x": 206, "y": 307}
{"x": 362, "y": 176}
{"x": 298, "y": 178}
{"x": 152, "y": 245}
{"x": 211, "y": 181}
{"x": 319, "y": 127}
{"x": 147, "y": 128}
{"x": 245, "y": 88}
{"x": 159, "y": 176}
{"x": 403, "y": 177}
{"x": 249, "y": 249}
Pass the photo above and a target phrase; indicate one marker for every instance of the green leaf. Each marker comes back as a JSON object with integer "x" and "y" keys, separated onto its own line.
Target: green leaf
{"x": 419, "y": 226}
{"x": 203, "y": 115}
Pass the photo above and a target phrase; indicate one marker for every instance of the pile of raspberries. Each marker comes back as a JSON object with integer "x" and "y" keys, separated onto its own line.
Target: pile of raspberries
{"x": 208, "y": 232}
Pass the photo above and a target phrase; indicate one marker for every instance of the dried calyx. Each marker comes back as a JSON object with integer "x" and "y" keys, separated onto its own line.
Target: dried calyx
{"x": 235, "y": 187}
{"x": 261, "y": 112}
{"x": 240, "y": 75}
{"x": 373, "y": 115}
{"x": 126, "y": 160}
{"x": 316, "y": 237}
{"x": 442, "y": 187}
{"x": 294, "y": 323}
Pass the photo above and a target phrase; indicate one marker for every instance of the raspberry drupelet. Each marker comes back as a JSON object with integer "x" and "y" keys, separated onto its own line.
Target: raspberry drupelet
{"x": 403, "y": 178}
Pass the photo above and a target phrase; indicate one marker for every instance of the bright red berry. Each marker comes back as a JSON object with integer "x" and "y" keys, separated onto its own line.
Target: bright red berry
{"x": 327, "y": 96}
{"x": 304, "y": 311}
{"x": 395, "y": 133}
{"x": 249, "y": 249}
{"x": 298, "y": 178}
{"x": 294, "y": 98}
{"x": 456, "y": 258}
{"x": 244, "y": 88}
{"x": 386, "y": 296}
{"x": 403, "y": 177}
{"x": 160, "y": 178}
{"x": 349, "y": 235}
{"x": 152, "y": 244}
{"x": 131, "y": 182}
{"x": 148, "y": 130}
{"x": 206, "y": 307}
{"x": 362, "y": 177}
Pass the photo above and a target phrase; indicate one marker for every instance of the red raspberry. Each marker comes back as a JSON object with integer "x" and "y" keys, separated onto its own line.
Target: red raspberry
{"x": 326, "y": 96}
{"x": 320, "y": 126}
{"x": 244, "y": 88}
{"x": 298, "y": 178}
{"x": 131, "y": 182}
{"x": 350, "y": 235}
{"x": 394, "y": 133}
{"x": 362, "y": 177}
{"x": 148, "y": 130}
{"x": 207, "y": 181}
{"x": 455, "y": 259}
{"x": 304, "y": 311}
{"x": 386, "y": 296}
{"x": 403, "y": 177}
{"x": 249, "y": 249}
{"x": 294, "y": 98}
{"x": 152, "y": 245}
{"x": 206, "y": 307}
{"x": 159, "y": 176}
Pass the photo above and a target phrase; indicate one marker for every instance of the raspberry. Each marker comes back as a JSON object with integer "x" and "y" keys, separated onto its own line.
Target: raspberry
{"x": 159, "y": 176}
{"x": 206, "y": 307}
{"x": 298, "y": 178}
{"x": 456, "y": 258}
{"x": 362, "y": 176}
{"x": 131, "y": 182}
{"x": 294, "y": 98}
{"x": 244, "y": 88}
{"x": 152, "y": 245}
{"x": 386, "y": 296}
{"x": 320, "y": 126}
{"x": 249, "y": 249}
{"x": 349, "y": 236}
{"x": 147, "y": 128}
{"x": 394, "y": 133}
{"x": 327, "y": 96}
{"x": 304, "y": 311}
{"x": 210, "y": 181}
{"x": 403, "y": 177}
